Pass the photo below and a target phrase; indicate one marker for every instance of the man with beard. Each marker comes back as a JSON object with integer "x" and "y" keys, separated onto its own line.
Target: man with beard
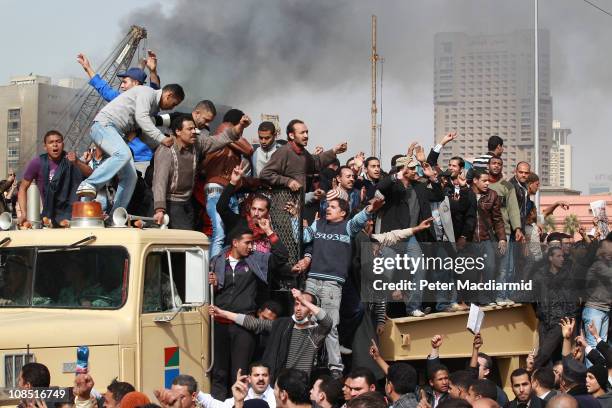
{"x": 57, "y": 175}
{"x": 266, "y": 133}
{"x": 259, "y": 380}
{"x": 519, "y": 181}
{"x": 521, "y": 387}
{"x": 371, "y": 176}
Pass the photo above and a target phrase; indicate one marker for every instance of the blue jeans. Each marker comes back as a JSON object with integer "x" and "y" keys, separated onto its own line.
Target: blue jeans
{"x": 444, "y": 298}
{"x": 487, "y": 251}
{"x": 600, "y": 320}
{"x": 120, "y": 164}
{"x": 218, "y": 233}
{"x": 506, "y": 269}
{"x": 415, "y": 297}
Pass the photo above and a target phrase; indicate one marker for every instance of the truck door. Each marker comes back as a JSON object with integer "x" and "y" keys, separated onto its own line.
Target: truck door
{"x": 174, "y": 336}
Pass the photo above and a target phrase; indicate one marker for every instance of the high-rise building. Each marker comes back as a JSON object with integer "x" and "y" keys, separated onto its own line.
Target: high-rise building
{"x": 484, "y": 86}
{"x": 29, "y": 107}
{"x": 560, "y": 165}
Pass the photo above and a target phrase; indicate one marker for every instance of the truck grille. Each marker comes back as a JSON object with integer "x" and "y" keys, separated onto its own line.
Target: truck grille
{"x": 12, "y": 366}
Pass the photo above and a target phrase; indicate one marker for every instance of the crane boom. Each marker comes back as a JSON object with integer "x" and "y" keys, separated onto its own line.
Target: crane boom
{"x": 87, "y": 102}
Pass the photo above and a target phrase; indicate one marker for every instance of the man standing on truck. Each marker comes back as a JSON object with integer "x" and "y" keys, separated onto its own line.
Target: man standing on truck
{"x": 237, "y": 273}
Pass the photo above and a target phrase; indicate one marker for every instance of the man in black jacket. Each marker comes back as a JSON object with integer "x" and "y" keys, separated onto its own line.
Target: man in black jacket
{"x": 521, "y": 387}
{"x": 407, "y": 203}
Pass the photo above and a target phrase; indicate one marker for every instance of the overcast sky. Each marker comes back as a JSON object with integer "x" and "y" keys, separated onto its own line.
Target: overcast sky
{"x": 311, "y": 59}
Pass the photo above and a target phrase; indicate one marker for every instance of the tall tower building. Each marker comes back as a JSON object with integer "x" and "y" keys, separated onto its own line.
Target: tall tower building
{"x": 484, "y": 86}
{"x": 560, "y": 166}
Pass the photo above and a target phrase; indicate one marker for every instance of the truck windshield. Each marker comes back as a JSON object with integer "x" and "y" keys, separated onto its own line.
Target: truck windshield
{"x": 89, "y": 277}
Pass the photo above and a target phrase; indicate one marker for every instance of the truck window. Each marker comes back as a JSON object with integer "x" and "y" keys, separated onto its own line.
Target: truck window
{"x": 92, "y": 277}
{"x": 158, "y": 289}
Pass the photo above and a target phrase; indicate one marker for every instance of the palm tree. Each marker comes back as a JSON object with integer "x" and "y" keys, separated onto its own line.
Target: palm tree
{"x": 571, "y": 224}
{"x": 550, "y": 223}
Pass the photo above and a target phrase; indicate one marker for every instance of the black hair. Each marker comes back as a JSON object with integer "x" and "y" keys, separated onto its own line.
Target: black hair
{"x": 532, "y": 178}
{"x": 431, "y": 373}
{"x": 478, "y": 172}
{"x": 339, "y": 171}
{"x": 186, "y": 380}
{"x": 403, "y": 376}
{"x": 370, "y": 399}
{"x": 551, "y": 251}
{"x": 485, "y": 388}
{"x": 233, "y": 116}
{"x": 493, "y": 142}
{"x": 488, "y": 359}
{"x": 522, "y": 162}
{"x": 369, "y": 159}
{"x": 518, "y": 372}
{"x": 207, "y": 106}
{"x": 335, "y": 162}
{"x": 262, "y": 197}
{"x": 460, "y": 160}
{"x": 295, "y": 384}
{"x": 178, "y": 120}
{"x": 51, "y": 133}
{"x": 149, "y": 405}
{"x": 175, "y": 89}
{"x": 462, "y": 379}
{"x": 36, "y": 374}
{"x": 238, "y": 231}
{"x": 291, "y": 124}
{"x": 364, "y": 372}
{"x": 545, "y": 376}
{"x": 273, "y": 306}
{"x": 267, "y": 126}
{"x": 119, "y": 389}
{"x": 332, "y": 389}
{"x": 495, "y": 158}
{"x": 255, "y": 364}
{"x": 344, "y": 206}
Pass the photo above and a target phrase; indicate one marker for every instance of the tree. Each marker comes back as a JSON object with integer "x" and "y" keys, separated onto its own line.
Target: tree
{"x": 571, "y": 224}
{"x": 550, "y": 223}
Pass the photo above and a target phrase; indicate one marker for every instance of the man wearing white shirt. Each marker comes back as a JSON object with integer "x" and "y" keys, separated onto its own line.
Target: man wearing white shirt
{"x": 259, "y": 380}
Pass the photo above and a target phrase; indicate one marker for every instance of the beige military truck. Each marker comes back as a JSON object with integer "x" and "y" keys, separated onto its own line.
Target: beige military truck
{"x": 136, "y": 297}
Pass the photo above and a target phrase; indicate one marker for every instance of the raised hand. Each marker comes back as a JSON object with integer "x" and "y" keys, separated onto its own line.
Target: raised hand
{"x": 420, "y": 153}
{"x": 375, "y": 204}
{"x": 411, "y": 149}
{"x": 151, "y": 61}
{"x": 374, "y": 351}
{"x": 71, "y": 156}
{"x": 359, "y": 159}
{"x": 428, "y": 171}
{"x": 340, "y": 148}
{"x": 436, "y": 341}
{"x": 567, "y": 327}
{"x": 236, "y": 174}
{"x": 240, "y": 388}
{"x": 292, "y": 208}
{"x": 318, "y": 150}
{"x": 449, "y": 137}
{"x": 593, "y": 330}
{"x": 245, "y": 121}
{"x": 477, "y": 341}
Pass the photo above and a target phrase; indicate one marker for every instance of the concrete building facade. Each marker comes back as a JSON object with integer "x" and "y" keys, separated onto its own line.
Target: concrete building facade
{"x": 484, "y": 86}
{"x": 560, "y": 157}
{"x": 29, "y": 107}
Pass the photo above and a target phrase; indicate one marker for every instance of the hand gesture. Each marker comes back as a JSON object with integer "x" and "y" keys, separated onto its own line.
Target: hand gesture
{"x": 436, "y": 341}
{"x": 462, "y": 178}
{"x": 151, "y": 61}
{"x": 83, "y": 61}
{"x": 297, "y": 295}
{"x": 319, "y": 194}
{"x": 294, "y": 185}
{"x": 83, "y": 384}
{"x": 318, "y": 150}
{"x": 427, "y": 170}
{"x": 411, "y": 149}
{"x": 374, "y": 351}
{"x": 340, "y": 148}
{"x": 212, "y": 279}
{"x": 302, "y": 265}
{"x": 87, "y": 156}
{"x": 563, "y": 204}
{"x": 265, "y": 225}
{"x": 71, "y": 156}
{"x": 425, "y": 224}
{"x": 240, "y": 387}
{"x": 167, "y": 141}
{"x": 420, "y": 153}
{"x": 423, "y": 400}
{"x": 168, "y": 398}
{"x": 477, "y": 341}
{"x": 236, "y": 174}
{"x": 593, "y": 330}
{"x": 448, "y": 138}
{"x": 375, "y": 205}
{"x": 359, "y": 159}
{"x": 530, "y": 362}
{"x": 567, "y": 327}
{"x": 581, "y": 341}
{"x": 292, "y": 208}
{"x": 502, "y": 246}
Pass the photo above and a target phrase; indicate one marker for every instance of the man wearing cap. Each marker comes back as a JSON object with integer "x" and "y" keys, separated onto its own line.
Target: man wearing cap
{"x": 407, "y": 203}
{"x": 573, "y": 382}
{"x": 132, "y": 77}
{"x": 597, "y": 384}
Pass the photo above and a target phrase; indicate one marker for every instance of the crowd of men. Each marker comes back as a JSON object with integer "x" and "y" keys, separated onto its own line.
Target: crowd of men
{"x": 319, "y": 351}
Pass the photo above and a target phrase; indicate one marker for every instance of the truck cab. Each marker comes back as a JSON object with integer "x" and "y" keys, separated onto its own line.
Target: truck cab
{"x": 136, "y": 297}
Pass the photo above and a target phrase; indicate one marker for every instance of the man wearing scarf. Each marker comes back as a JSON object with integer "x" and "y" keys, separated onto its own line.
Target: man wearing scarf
{"x": 57, "y": 176}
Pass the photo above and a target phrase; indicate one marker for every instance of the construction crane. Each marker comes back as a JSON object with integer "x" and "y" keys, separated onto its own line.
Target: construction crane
{"x": 87, "y": 102}
{"x": 375, "y": 58}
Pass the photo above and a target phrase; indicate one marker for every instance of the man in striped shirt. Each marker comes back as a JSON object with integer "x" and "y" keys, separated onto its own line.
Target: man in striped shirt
{"x": 496, "y": 148}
